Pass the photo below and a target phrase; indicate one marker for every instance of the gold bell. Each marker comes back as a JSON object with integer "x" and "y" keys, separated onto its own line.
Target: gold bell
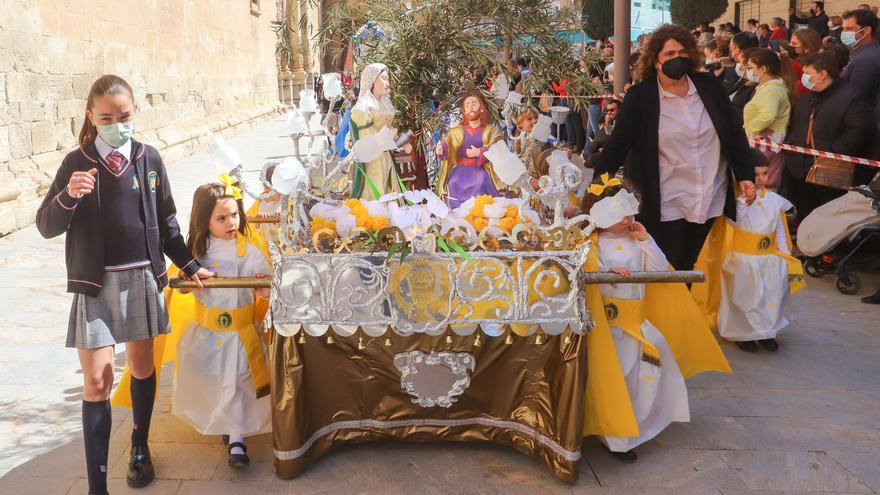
{"x": 477, "y": 342}
{"x": 387, "y": 342}
{"x": 449, "y": 339}
{"x": 302, "y": 337}
{"x": 361, "y": 345}
{"x": 567, "y": 339}
{"x": 538, "y": 339}
{"x": 508, "y": 340}
{"x": 329, "y": 339}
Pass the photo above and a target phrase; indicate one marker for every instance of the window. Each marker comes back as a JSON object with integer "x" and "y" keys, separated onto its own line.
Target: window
{"x": 801, "y": 8}
{"x": 745, "y": 10}
{"x": 660, "y": 4}
{"x": 255, "y": 8}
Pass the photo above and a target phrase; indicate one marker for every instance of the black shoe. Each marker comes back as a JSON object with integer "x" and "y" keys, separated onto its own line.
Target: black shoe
{"x": 628, "y": 457}
{"x": 769, "y": 344}
{"x": 872, "y": 299}
{"x": 748, "y": 345}
{"x": 140, "y": 467}
{"x": 238, "y": 460}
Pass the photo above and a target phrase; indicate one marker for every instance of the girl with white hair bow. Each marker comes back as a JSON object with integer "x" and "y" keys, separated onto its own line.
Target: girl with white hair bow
{"x": 373, "y": 111}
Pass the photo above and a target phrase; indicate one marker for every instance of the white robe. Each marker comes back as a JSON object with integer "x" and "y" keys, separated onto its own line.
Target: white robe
{"x": 213, "y": 390}
{"x": 755, "y": 297}
{"x": 658, "y": 393}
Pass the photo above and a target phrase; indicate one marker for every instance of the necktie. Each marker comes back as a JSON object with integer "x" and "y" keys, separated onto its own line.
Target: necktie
{"x": 116, "y": 162}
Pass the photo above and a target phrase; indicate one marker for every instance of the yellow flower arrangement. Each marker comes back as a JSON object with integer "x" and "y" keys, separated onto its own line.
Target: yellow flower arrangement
{"x": 319, "y": 223}
{"x": 477, "y": 215}
{"x": 363, "y": 218}
{"x": 508, "y": 223}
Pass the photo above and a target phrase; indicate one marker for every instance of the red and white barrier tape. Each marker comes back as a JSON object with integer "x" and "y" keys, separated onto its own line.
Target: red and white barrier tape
{"x": 766, "y": 143}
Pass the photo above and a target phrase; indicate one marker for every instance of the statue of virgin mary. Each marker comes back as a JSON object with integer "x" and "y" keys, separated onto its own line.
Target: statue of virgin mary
{"x": 373, "y": 111}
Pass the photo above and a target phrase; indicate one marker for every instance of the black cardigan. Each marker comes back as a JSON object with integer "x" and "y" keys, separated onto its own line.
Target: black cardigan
{"x": 635, "y": 140}
{"x": 81, "y": 219}
{"x": 844, "y": 123}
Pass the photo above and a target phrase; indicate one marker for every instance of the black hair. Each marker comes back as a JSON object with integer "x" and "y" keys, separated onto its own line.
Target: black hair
{"x": 745, "y": 40}
{"x": 864, "y": 18}
{"x": 822, "y": 60}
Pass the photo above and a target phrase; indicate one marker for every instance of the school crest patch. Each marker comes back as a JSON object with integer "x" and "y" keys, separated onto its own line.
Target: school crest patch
{"x": 153, "y": 180}
{"x": 224, "y": 320}
{"x": 611, "y": 311}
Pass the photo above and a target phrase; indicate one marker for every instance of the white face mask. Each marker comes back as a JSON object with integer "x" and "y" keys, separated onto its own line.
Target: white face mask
{"x": 830, "y": 25}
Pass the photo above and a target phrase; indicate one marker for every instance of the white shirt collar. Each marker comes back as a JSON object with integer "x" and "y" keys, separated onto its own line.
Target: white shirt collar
{"x": 105, "y": 149}
{"x": 666, "y": 94}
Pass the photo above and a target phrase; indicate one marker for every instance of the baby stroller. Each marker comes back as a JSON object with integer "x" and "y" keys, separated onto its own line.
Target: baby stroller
{"x": 843, "y": 236}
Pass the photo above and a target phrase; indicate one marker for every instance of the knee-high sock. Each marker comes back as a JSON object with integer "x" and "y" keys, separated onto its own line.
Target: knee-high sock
{"x": 96, "y": 421}
{"x": 143, "y": 394}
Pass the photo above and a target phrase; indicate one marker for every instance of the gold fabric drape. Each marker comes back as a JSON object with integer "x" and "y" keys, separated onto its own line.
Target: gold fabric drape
{"x": 522, "y": 394}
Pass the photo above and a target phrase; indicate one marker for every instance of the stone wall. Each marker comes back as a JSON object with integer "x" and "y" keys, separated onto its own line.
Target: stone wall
{"x": 196, "y": 66}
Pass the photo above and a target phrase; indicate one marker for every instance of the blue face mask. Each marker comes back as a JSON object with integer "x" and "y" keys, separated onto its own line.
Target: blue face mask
{"x": 116, "y": 134}
{"x": 751, "y": 76}
{"x": 738, "y": 69}
{"x": 805, "y": 80}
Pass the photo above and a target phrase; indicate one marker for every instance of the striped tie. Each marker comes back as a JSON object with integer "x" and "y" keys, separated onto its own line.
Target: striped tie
{"x": 116, "y": 161}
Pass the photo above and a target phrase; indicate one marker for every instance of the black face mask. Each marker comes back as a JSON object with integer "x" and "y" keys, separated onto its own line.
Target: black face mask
{"x": 677, "y": 67}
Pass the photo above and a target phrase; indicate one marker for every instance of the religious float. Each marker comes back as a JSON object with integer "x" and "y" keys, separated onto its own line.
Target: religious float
{"x": 424, "y": 317}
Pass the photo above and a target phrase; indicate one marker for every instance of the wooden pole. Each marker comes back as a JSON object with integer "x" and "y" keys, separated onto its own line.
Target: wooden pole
{"x": 644, "y": 277}
{"x": 273, "y": 218}
{"x": 223, "y": 283}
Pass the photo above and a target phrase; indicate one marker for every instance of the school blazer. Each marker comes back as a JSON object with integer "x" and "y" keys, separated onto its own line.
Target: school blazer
{"x": 634, "y": 143}
{"x": 81, "y": 219}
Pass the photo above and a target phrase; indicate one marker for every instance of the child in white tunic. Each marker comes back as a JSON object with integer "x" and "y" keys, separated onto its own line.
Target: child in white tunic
{"x": 755, "y": 295}
{"x": 658, "y": 393}
{"x": 221, "y": 379}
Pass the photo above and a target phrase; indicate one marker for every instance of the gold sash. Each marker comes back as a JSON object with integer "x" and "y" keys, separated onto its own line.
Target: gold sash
{"x": 240, "y": 320}
{"x": 628, "y": 315}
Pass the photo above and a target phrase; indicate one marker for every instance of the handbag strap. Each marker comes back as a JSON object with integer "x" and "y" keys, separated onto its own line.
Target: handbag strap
{"x": 810, "y": 142}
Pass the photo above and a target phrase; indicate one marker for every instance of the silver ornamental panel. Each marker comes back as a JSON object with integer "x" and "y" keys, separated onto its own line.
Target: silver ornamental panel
{"x": 428, "y": 293}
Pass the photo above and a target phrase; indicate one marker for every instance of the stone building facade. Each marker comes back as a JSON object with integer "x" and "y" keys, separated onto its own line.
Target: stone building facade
{"x": 197, "y": 67}
{"x": 740, "y": 11}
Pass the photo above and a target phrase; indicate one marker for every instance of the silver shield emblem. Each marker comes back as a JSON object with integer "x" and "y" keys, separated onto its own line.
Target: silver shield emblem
{"x": 434, "y": 379}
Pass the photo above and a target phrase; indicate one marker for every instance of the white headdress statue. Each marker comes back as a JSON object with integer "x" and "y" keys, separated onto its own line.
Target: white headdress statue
{"x": 366, "y": 101}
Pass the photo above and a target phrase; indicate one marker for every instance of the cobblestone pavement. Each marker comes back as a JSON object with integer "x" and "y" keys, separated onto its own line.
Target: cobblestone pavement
{"x": 802, "y": 420}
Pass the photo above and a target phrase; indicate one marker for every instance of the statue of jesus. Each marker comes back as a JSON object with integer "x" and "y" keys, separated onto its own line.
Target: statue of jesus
{"x": 465, "y": 172}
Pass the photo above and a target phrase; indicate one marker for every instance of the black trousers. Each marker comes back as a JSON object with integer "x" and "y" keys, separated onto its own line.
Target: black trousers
{"x": 681, "y": 241}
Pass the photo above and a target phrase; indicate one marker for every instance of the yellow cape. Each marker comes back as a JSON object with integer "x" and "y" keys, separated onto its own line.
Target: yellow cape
{"x": 717, "y": 245}
{"x": 181, "y": 314}
{"x": 670, "y": 308}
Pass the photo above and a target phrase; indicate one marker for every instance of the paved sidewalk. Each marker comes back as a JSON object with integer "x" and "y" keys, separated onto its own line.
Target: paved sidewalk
{"x": 802, "y": 420}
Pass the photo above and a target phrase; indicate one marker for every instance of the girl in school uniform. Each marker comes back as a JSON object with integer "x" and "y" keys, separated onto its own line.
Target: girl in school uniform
{"x": 112, "y": 198}
{"x": 221, "y": 380}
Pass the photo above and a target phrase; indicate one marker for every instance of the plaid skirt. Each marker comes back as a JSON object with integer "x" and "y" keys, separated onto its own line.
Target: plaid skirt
{"x": 129, "y": 307}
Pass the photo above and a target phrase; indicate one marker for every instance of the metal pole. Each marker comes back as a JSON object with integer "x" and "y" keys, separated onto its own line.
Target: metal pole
{"x": 621, "y": 44}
